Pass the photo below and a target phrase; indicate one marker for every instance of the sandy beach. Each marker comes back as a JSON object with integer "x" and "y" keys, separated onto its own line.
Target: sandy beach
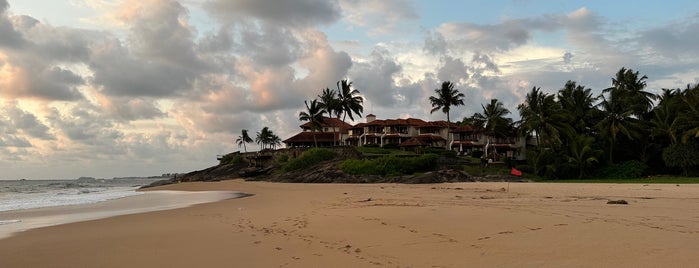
{"x": 386, "y": 225}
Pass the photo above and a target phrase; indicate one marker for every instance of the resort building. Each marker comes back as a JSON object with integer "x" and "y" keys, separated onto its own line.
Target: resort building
{"x": 409, "y": 133}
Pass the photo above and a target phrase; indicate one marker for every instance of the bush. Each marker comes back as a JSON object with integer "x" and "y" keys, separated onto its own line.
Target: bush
{"x": 282, "y": 158}
{"x": 232, "y": 158}
{"x": 391, "y": 146}
{"x": 477, "y": 154}
{"x": 626, "y": 170}
{"x": 308, "y": 159}
{"x": 390, "y": 165}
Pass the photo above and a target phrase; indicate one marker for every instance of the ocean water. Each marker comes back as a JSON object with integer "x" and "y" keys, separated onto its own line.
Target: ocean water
{"x": 28, "y": 194}
{"x": 31, "y": 204}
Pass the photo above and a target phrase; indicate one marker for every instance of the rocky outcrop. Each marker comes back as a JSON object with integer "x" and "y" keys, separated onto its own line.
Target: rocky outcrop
{"x": 329, "y": 172}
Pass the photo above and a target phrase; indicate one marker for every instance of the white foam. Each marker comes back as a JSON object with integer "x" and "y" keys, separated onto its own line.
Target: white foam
{"x": 22, "y": 220}
{"x": 64, "y": 197}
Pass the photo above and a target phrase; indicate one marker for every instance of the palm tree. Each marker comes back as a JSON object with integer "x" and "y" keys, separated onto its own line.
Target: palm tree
{"x": 579, "y": 104}
{"x": 348, "y": 100}
{"x": 274, "y": 141}
{"x": 628, "y": 83}
{"x": 687, "y": 121}
{"x": 445, "y": 97}
{"x": 243, "y": 139}
{"x": 581, "y": 153}
{"x": 543, "y": 115}
{"x": 330, "y": 103}
{"x": 314, "y": 114}
{"x": 496, "y": 124}
{"x": 617, "y": 119}
{"x": 263, "y": 137}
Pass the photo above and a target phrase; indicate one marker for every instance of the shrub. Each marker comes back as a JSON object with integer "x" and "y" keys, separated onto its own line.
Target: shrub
{"x": 391, "y": 146}
{"x": 626, "y": 170}
{"x": 477, "y": 154}
{"x": 682, "y": 155}
{"x": 282, "y": 158}
{"x": 232, "y": 158}
{"x": 390, "y": 165}
{"x": 308, "y": 159}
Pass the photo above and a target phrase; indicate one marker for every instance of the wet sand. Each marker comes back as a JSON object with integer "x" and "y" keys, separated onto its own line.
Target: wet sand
{"x": 386, "y": 225}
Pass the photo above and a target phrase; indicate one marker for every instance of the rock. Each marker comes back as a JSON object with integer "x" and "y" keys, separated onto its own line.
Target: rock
{"x": 618, "y": 202}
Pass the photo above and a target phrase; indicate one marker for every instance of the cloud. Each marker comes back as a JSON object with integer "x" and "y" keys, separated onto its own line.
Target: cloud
{"x": 381, "y": 17}
{"x": 20, "y": 121}
{"x": 375, "y": 78}
{"x": 452, "y": 70}
{"x": 302, "y": 13}
{"x": 675, "y": 42}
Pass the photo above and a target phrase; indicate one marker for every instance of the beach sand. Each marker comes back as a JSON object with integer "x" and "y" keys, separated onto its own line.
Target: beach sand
{"x": 386, "y": 225}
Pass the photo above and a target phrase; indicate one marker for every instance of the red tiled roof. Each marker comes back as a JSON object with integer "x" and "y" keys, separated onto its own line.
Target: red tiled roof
{"x": 329, "y": 122}
{"x": 462, "y": 129}
{"x": 307, "y": 136}
{"x": 412, "y": 142}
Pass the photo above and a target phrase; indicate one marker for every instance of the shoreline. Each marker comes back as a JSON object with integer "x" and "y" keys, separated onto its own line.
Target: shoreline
{"x": 392, "y": 225}
{"x": 16, "y": 221}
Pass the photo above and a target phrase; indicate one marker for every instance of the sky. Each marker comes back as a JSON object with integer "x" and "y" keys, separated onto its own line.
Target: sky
{"x": 109, "y": 88}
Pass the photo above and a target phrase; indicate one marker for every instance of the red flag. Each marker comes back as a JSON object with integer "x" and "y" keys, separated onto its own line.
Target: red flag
{"x": 516, "y": 172}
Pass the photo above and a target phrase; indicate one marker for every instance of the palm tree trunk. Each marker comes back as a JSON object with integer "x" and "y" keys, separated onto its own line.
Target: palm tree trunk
{"x": 244, "y": 148}
{"x": 611, "y": 152}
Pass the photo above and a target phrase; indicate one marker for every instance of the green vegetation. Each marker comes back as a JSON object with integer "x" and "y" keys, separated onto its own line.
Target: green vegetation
{"x": 232, "y": 158}
{"x": 376, "y": 150}
{"x": 390, "y": 165}
{"x": 308, "y": 159}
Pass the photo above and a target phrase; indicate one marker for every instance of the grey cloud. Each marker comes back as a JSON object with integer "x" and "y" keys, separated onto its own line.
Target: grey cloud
{"x": 380, "y": 17}
{"x": 270, "y": 46}
{"x": 301, "y": 13}
{"x": 135, "y": 109}
{"x": 676, "y": 41}
{"x": 452, "y": 70}
{"x": 159, "y": 61}
{"x": 159, "y": 33}
{"x": 435, "y": 43}
{"x": 220, "y": 42}
{"x": 567, "y": 57}
{"x": 26, "y": 122}
{"x": 375, "y": 78}
{"x": 500, "y": 37}
{"x": 14, "y": 141}
{"x": 86, "y": 126}
{"x": 121, "y": 74}
{"x": 10, "y": 37}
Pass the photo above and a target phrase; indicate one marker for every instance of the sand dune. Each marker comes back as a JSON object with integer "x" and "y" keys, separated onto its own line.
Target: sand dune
{"x": 386, "y": 225}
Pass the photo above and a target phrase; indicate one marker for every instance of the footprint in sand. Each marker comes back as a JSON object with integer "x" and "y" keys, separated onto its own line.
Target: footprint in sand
{"x": 505, "y": 232}
{"x": 484, "y": 238}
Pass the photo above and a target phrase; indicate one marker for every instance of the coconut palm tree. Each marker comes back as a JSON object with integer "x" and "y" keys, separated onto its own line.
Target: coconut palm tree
{"x": 579, "y": 104}
{"x": 263, "y": 137}
{"x": 616, "y": 119}
{"x": 243, "y": 139}
{"x": 348, "y": 99}
{"x": 446, "y": 96}
{"x": 496, "y": 124}
{"x": 687, "y": 121}
{"x": 582, "y": 153}
{"x": 542, "y": 115}
{"x": 330, "y": 103}
{"x": 630, "y": 86}
{"x": 314, "y": 114}
{"x": 274, "y": 141}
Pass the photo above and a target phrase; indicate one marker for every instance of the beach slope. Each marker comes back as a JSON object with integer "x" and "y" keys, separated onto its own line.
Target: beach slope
{"x": 386, "y": 225}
